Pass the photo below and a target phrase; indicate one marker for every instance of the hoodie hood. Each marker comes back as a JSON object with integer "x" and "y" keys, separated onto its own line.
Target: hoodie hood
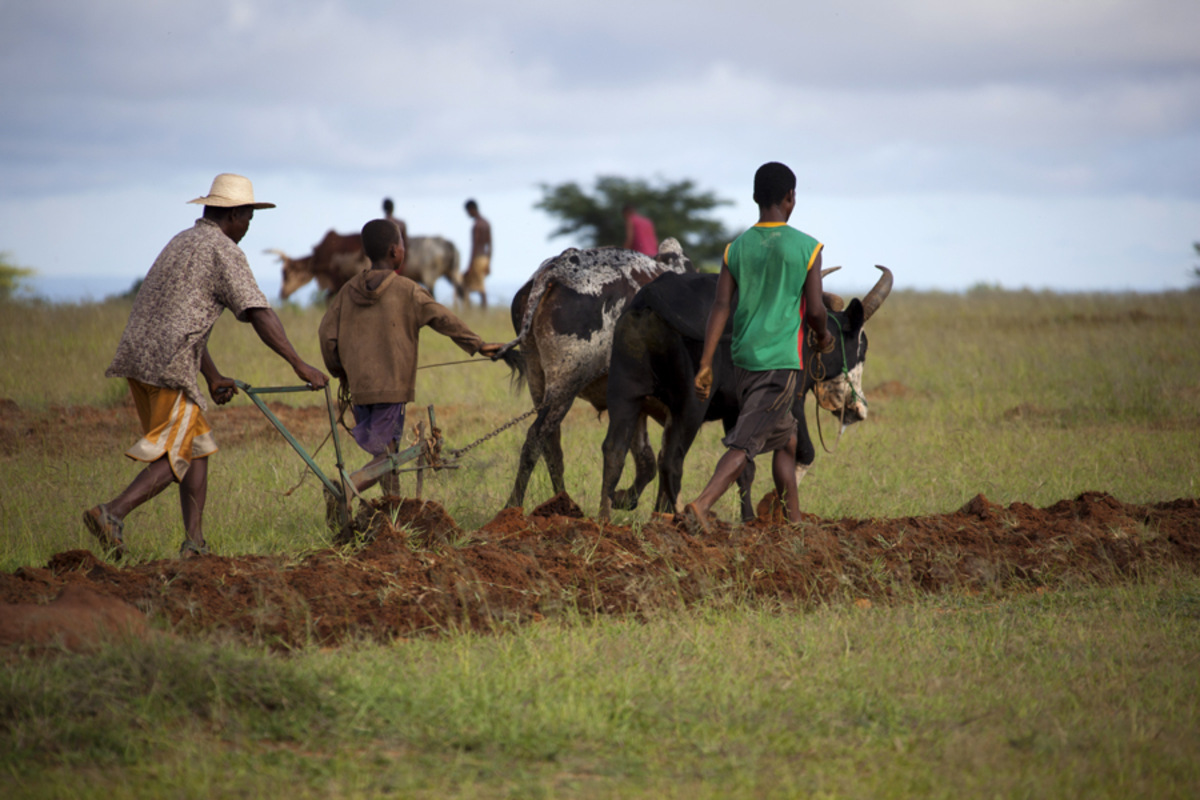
{"x": 360, "y": 291}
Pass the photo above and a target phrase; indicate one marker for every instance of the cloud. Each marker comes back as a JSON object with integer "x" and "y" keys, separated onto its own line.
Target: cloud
{"x": 865, "y": 98}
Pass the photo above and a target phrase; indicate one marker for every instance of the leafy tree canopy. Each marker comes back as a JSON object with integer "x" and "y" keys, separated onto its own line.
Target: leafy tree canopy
{"x": 11, "y": 276}
{"x": 677, "y": 209}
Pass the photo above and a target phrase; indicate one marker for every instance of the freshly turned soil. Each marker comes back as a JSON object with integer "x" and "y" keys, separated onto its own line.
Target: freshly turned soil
{"x": 410, "y": 570}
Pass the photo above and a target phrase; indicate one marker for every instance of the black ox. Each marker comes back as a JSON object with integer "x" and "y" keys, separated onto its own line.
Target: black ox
{"x": 656, "y": 350}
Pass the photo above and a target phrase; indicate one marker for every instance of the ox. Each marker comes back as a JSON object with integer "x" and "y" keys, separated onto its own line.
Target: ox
{"x": 656, "y": 351}
{"x": 564, "y": 319}
{"x": 338, "y": 258}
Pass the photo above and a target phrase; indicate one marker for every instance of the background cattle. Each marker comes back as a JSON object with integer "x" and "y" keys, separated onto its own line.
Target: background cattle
{"x": 339, "y": 257}
{"x": 333, "y": 262}
{"x": 564, "y": 319}
{"x": 656, "y": 351}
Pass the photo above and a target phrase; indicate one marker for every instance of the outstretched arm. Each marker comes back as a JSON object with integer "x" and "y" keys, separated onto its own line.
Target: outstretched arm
{"x": 268, "y": 327}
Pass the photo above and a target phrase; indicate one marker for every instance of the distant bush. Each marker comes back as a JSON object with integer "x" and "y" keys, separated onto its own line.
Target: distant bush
{"x": 129, "y": 293}
{"x": 11, "y": 276}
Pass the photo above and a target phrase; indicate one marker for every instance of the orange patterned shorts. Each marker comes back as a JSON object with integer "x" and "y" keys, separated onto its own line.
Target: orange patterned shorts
{"x": 172, "y": 425}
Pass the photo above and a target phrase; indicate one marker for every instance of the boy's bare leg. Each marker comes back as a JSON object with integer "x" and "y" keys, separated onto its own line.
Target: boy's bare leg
{"x": 390, "y": 483}
{"x": 193, "y": 492}
{"x": 783, "y": 470}
{"x": 728, "y": 469}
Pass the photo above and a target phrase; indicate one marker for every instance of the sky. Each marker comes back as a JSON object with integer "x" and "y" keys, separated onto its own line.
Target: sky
{"x": 1048, "y": 144}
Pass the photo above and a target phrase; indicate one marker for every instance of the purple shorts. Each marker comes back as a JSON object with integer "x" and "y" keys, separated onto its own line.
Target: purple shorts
{"x": 378, "y": 425}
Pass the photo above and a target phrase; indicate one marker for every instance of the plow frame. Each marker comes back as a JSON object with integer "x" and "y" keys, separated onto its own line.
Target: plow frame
{"x": 341, "y": 487}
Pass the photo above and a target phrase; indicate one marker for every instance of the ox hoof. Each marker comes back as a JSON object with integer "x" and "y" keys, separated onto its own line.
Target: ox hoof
{"x": 624, "y": 500}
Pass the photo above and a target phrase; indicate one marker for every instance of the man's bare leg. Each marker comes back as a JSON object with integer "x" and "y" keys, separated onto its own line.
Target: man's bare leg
{"x": 193, "y": 493}
{"x": 147, "y": 485}
{"x": 728, "y": 469}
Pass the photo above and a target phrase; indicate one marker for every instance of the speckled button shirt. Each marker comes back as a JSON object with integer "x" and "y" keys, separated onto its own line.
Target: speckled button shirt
{"x": 199, "y": 274}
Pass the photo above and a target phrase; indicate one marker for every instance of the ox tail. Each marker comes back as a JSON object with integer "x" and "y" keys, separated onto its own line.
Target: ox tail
{"x": 514, "y": 359}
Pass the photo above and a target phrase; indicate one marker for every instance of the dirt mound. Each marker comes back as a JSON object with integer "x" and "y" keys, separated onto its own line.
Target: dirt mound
{"x": 561, "y": 505}
{"x": 79, "y": 619}
{"x": 415, "y": 572}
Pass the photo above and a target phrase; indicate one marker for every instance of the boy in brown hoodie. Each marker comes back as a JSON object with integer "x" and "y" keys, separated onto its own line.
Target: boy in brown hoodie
{"x": 369, "y": 338}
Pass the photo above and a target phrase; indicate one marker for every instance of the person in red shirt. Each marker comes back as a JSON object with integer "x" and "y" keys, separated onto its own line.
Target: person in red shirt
{"x": 639, "y": 233}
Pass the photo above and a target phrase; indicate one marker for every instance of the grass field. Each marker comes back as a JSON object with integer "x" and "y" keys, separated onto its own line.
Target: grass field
{"x": 1021, "y": 396}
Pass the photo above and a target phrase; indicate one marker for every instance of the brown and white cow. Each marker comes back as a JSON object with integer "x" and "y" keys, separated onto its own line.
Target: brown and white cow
{"x": 339, "y": 257}
{"x": 333, "y": 262}
{"x": 564, "y": 318}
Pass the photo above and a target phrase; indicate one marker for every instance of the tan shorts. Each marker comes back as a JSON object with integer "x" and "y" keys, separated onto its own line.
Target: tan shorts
{"x": 172, "y": 425}
{"x": 481, "y": 267}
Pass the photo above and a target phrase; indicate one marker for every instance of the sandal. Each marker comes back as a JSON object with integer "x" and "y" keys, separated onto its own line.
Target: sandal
{"x": 109, "y": 530}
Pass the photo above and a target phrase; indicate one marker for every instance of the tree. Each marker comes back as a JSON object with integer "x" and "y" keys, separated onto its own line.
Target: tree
{"x": 11, "y": 276}
{"x": 676, "y": 208}
{"x": 1196, "y": 269}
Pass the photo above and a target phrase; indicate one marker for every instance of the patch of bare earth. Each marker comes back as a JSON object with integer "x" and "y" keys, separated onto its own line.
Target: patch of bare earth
{"x": 412, "y": 571}
{"x": 93, "y": 431}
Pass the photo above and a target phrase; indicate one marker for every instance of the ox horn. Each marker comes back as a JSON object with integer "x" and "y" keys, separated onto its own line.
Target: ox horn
{"x": 878, "y": 293}
{"x": 832, "y": 301}
{"x": 274, "y": 252}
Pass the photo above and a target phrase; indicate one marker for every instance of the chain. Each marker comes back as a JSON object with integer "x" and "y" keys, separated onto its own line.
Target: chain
{"x": 455, "y": 453}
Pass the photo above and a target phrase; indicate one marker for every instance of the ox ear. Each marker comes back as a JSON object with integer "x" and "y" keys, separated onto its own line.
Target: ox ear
{"x": 856, "y": 315}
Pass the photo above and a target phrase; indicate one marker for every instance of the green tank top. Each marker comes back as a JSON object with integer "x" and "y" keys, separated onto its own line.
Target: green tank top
{"x": 770, "y": 263}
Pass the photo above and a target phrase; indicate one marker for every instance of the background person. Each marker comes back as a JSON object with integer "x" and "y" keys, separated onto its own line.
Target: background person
{"x": 480, "y": 263}
{"x": 199, "y": 274}
{"x": 772, "y": 267}
{"x": 639, "y": 232}
{"x": 388, "y": 208}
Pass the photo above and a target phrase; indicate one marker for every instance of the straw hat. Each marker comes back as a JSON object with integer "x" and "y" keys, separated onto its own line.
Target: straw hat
{"x": 229, "y": 190}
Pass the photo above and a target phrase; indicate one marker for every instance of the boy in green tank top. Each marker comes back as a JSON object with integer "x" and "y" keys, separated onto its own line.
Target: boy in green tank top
{"x": 773, "y": 267}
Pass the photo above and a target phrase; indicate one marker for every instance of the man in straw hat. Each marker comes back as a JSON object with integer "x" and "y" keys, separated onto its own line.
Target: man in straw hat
{"x": 199, "y": 274}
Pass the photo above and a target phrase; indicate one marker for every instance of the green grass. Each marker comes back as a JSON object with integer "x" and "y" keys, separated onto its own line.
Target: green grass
{"x": 1091, "y": 693}
{"x": 1022, "y": 396}
{"x": 1019, "y": 395}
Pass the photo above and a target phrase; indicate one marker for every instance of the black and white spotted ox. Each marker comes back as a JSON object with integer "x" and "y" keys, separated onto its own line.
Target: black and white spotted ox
{"x": 656, "y": 352}
{"x": 564, "y": 318}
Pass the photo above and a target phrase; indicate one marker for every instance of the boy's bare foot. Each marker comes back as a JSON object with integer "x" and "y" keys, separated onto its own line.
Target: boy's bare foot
{"x": 696, "y": 520}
